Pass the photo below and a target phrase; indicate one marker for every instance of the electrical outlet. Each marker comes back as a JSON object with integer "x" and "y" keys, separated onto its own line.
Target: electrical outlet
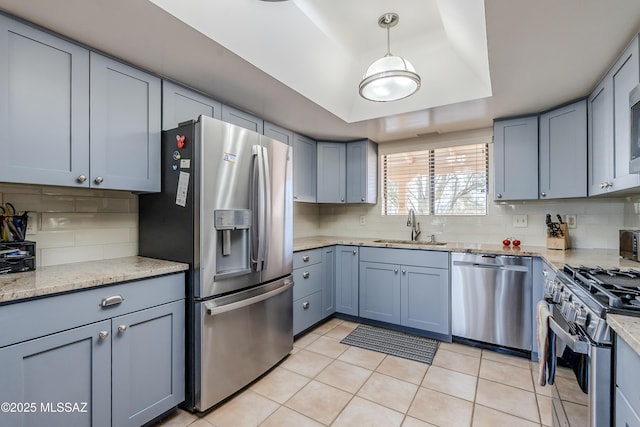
{"x": 363, "y": 220}
{"x": 32, "y": 224}
{"x": 571, "y": 220}
{"x": 520, "y": 221}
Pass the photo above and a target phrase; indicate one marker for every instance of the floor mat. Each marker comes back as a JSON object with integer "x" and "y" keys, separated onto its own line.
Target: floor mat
{"x": 396, "y": 343}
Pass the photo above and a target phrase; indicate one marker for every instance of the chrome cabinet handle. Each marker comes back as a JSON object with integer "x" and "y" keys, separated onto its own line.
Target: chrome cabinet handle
{"x": 103, "y": 335}
{"x": 404, "y": 271}
{"x": 395, "y": 270}
{"x": 499, "y": 196}
{"x": 355, "y": 252}
{"x": 306, "y": 275}
{"x": 112, "y": 300}
{"x": 122, "y": 328}
{"x": 306, "y": 258}
{"x": 362, "y": 199}
{"x": 305, "y": 305}
{"x": 543, "y": 194}
{"x": 98, "y": 180}
{"x": 81, "y": 178}
{"x": 342, "y": 200}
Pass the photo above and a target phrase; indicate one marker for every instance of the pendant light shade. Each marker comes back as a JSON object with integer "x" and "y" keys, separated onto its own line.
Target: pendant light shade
{"x": 391, "y": 77}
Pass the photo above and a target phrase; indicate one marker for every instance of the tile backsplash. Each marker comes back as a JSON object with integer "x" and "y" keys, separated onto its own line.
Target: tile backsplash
{"x": 77, "y": 224}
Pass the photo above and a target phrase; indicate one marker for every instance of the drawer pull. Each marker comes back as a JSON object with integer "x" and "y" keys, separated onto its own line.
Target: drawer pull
{"x": 103, "y": 335}
{"x": 355, "y": 252}
{"x": 306, "y": 258}
{"x": 306, "y": 275}
{"x": 122, "y": 328}
{"x": 112, "y": 300}
{"x": 305, "y": 305}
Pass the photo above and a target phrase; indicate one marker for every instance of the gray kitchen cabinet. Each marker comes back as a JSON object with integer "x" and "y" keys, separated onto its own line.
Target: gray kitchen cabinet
{"x": 362, "y": 172}
{"x": 515, "y": 158}
{"x": 347, "y": 272}
{"x": 328, "y": 281}
{"x": 307, "y": 291}
{"x": 424, "y": 299}
{"x": 627, "y": 390}
{"x": 44, "y": 107}
{"x": 406, "y": 287}
{"x": 380, "y": 292}
{"x": 147, "y": 363}
{"x": 120, "y": 348}
{"x": 242, "y": 119}
{"x": 331, "y": 172}
{"x": 124, "y": 127}
{"x": 278, "y": 133}
{"x": 304, "y": 169}
{"x": 180, "y": 104}
{"x": 71, "y": 366}
{"x": 563, "y": 152}
{"x": 609, "y": 123}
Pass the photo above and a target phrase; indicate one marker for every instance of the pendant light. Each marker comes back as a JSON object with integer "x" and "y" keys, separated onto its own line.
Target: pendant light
{"x": 391, "y": 77}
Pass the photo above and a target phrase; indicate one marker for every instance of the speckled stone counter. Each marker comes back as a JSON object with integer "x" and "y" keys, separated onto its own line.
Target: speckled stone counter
{"x": 557, "y": 258}
{"x": 70, "y": 277}
{"x": 627, "y": 327}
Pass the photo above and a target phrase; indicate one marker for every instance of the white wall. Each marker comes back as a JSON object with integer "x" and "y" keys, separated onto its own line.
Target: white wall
{"x": 77, "y": 224}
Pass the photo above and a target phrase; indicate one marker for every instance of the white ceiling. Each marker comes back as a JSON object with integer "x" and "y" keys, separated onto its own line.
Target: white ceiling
{"x": 540, "y": 54}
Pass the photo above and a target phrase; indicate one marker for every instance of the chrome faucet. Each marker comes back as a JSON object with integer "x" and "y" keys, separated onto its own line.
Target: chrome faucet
{"x": 415, "y": 226}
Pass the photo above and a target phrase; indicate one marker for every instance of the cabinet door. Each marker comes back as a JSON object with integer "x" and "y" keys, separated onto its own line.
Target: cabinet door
{"x": 563, "y": 152}
{"x": 304, "y": 169}
{"x": 380, "y": 292}
{"x": 72, "y": 366}
{"x": 180, "y": 104}
{"x": 625, "y": 75}
{"x": 515, "y": 158}
{"x": 44, "y": 107}
{"x": 332, "y": 176}
{"x": 625, "y": 416}
{"x": 328, "y": 281}
{"x": 347, "y": 280}
{"x": 147, "y": 363}
{"x": 600, "y": 144}
{"x": 242, "y": 119}
{"x": 362, "y": 172}
{"x": 278, "y": 133}
{"x": 425, "y": 299}
{"x": 125, "y": 127}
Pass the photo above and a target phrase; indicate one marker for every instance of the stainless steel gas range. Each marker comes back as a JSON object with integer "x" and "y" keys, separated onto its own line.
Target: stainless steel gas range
{"x": 581, "y": 298}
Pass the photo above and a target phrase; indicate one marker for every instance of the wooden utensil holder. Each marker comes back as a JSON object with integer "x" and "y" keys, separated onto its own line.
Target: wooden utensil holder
{"x": 561, "y": 242}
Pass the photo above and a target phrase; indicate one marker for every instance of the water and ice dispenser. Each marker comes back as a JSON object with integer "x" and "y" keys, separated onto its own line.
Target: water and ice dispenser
{"x": 232, "y": 242}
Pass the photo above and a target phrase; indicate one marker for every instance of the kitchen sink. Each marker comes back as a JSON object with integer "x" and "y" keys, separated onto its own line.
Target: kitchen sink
{"x": 410, "y": 242}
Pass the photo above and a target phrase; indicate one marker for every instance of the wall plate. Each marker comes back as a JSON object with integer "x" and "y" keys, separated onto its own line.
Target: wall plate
{"x": 520, "y": 221}
{"x": 571, "y": 220}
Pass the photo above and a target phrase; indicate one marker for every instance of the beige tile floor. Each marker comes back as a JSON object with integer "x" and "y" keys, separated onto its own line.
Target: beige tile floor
{"x": 324, "y": 382}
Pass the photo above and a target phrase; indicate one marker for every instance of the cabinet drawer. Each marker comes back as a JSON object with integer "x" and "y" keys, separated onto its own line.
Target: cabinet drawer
{"x": 625, "y": 415}
{"x": 304, "y": 258}
{"x": 31, "y": 319}
{"x": 307, "y": 280}
{"x": 417, "y": 257}
{"x": 628, "y": 373}
{"x": 306, "y": 312}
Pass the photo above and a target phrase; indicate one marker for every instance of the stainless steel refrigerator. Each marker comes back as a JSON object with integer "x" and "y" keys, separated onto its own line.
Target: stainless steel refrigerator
{"x": 226, "y": 209}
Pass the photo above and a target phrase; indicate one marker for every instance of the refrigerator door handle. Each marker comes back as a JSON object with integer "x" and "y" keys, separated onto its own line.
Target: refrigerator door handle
{"x": 266, "y": 230}
{"x": 212, "y": 309}
{"x": 258, "y": 208}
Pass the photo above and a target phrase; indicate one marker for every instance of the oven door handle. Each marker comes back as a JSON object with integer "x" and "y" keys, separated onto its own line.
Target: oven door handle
{"x": 572, "y": 341}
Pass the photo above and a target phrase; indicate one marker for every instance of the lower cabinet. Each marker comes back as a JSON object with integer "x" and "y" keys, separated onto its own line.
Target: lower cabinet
{"x": 307, "y": 290}
{"x": 347, "y": 279}
{"x": 424, "y": 299}
{"x": 380, "y": 293}
{"x": 627, "y": 390}
{"x": 328, "y": 281}
{"x": 124, "y": 368}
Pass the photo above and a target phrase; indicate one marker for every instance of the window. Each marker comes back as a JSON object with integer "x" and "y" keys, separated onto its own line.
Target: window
{"x": 442, "y": 181}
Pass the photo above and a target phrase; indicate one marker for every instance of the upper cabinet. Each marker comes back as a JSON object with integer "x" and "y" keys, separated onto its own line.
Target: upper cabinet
{"x": 332, "y": 173}
{"x": 278, "y": 133}
{"x": 609, "y": 125}
{"x": 242, "y": 119}
{"x": 362, "y": 172}
{"x": 304, "y": 169}
{"x": 125, "y": 127}
{"x": 74, "y": 118}
{"x": 563, "y": 152}
{"x": 347, "y": 172}
{"x": 180, "y": 104}
{"x": 44, "y": 107}
{"x": 515, "y": 158}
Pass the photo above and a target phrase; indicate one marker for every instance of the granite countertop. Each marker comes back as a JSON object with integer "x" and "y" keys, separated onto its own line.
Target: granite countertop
{"x": 557, "y": 258}
{"x": 627, "y": 327}
{"x": 70, "y": 277}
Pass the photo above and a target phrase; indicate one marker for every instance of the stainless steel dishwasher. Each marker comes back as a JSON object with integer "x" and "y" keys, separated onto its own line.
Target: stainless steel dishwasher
{"x": 491, "y": 299}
